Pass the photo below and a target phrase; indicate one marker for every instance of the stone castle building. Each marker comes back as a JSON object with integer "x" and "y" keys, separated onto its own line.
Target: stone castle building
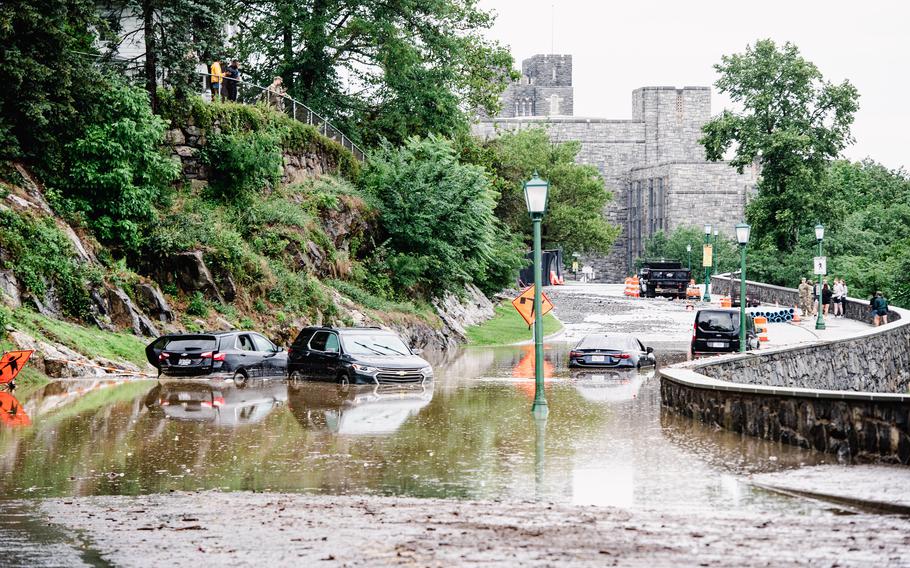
{"x": 652, "y": 163}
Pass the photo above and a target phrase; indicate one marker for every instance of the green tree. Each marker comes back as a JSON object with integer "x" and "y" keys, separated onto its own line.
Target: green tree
{"x": 176, "y": 35}
{"x": 792, "y": 123}
{"x": 577, "y": 195}
{"x": 437, "y": 216}
{"x": 389, "y": 69}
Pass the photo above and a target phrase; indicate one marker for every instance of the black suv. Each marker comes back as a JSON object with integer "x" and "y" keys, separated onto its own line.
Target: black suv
{"x": 236, "y": 354}
{"x": 717, "y": 331}
{"x": 355, "y": 355}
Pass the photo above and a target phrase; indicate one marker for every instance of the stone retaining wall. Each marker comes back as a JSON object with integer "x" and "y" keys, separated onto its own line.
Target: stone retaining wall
{"x": 846, "y": 396}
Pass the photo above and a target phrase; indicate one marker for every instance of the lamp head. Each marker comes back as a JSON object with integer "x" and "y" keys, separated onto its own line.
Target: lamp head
{"x": 536, "y": 191}
{"x": 707, "y": 229}
{"x": 688, "y": 248}
{"x": 819, "y": 232}
{"x": 743, "y": 231}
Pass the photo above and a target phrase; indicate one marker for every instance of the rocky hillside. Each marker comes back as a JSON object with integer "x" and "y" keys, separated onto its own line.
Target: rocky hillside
{"x": 275, "y": 262}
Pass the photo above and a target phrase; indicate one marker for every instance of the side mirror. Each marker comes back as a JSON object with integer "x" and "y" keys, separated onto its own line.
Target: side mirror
{"x": 416, "y": 351}
{"x": 649, "y": 350}
{"x": 279, "y": 349}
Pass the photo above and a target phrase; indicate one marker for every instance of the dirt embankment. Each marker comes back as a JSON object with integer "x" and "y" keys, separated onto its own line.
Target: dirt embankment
{"x": 210, "y": 528}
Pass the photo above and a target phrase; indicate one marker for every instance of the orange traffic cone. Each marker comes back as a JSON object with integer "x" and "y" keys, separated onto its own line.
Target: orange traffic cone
{"x": 796, "y": 318}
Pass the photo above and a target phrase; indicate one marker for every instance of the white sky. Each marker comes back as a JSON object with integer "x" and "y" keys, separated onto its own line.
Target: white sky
{"x": 619, "y": 46}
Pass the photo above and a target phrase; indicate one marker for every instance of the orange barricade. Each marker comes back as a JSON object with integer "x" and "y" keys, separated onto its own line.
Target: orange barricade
{"x": 726, "y": 302}
{"x": 796, "y": 318}
{"x": 636, "y": 291}
{"x": 761, "y": 325}
{"x": 628, "y": 290}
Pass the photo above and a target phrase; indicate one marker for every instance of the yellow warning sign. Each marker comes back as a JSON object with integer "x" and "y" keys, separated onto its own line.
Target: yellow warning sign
{"x": 706, "y": 255}
{"x": 524, "y": 303}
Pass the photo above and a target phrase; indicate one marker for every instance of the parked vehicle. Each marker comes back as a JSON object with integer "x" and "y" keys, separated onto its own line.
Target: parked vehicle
{"x": 235, "y": 354}
{"x": 663, "y": 278}
{"x": 620, "y": 350}
{"x": 355, "y": 355}
{"x": 716, "y": 330}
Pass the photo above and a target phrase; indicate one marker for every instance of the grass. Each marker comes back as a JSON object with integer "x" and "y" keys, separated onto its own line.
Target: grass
{"x": 507, "y": 327}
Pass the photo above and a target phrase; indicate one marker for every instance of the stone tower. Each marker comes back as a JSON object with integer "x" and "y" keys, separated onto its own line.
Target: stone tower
{"x": 545, "y": 88}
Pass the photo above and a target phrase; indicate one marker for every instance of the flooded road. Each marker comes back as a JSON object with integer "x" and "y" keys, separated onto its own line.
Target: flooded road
{"x": 467, "y": 435}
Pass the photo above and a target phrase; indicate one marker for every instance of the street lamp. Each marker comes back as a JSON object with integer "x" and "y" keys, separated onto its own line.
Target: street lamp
{"x": 819, "y": 236}
{"x": 714, "y": 255}
{"x": 707, "y": 265}
{"x": 536, "y": 191}
{"x": 742, "y": 237}
{"x": 689, "y": 256}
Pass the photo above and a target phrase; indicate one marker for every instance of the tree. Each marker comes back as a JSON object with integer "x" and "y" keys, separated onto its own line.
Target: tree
{"x": 792, "y": 123}
{"x": 384, "y": 69}
{"x": 577, "y": 195}
{"x": 437, "y": 217}
{"x": 177, "y": 35}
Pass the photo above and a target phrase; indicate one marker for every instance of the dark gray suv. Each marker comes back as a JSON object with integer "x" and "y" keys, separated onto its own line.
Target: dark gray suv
{"x": 232, "y": 354}
{"x": 355, "y": 355}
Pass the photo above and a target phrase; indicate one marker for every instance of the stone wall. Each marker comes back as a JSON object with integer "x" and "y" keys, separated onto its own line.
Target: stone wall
{"x": 847, "y": 396}
{"x": 187, "y": 142}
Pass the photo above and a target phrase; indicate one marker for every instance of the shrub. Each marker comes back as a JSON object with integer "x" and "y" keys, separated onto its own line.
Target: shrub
{"x": 242, "y": 164}
{"x": 197, "y": 305}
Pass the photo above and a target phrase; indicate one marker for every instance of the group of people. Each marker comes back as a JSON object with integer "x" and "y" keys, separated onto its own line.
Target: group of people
{"x": 836, "y": 295}
{"x": 225, "y": 81}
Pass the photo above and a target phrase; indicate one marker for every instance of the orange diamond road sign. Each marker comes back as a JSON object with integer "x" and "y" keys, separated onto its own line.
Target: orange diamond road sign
{"x": 524, "y": 303}
{"x": 11, "y": 363}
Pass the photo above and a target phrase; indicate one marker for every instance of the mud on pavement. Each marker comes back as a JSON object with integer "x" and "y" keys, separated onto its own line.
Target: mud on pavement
{"x": 246, "y": 529}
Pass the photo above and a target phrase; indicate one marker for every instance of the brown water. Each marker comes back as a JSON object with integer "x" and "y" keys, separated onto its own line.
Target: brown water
{"x": 467, "y": 435}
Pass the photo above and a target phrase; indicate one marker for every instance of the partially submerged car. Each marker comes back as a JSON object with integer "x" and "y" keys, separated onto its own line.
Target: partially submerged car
{"x": 356, "y": 355}
{"x": 616, "y": 350}
{"x": 233, "y": 354}
{"x": 716, "y": 330}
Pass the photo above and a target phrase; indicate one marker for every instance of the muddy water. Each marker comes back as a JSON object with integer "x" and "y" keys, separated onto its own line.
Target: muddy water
{"x": 469, "y": 434}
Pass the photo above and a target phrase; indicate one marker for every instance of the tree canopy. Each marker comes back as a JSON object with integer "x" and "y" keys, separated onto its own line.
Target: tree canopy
{"x": 384, "y": 69}
{"x": 792, "y": 122}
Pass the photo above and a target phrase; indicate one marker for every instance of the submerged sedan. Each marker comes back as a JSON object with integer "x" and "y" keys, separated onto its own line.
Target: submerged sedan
{"x": 618, "y": 350}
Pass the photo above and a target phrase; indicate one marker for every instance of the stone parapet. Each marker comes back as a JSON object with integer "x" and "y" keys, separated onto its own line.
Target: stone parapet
{"x": 846, "y": 396}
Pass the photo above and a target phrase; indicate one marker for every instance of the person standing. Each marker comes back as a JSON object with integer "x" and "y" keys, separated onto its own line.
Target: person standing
{"x": 274, "y": 95}
{"x": 879, "y": 309}
{"x": 827, "y": 295}
{"x": 805, "y": 294}
{"x": 232, "y": 80}
{"x": 217, "y": 77}
{"x": 839, "y": 296}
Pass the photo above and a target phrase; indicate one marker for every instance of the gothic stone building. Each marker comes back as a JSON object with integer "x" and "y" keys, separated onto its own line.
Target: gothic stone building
{"x": 652, "y": 163}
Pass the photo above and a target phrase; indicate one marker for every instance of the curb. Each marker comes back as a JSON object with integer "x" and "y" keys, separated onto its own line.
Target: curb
{"x": 881, "y": 507}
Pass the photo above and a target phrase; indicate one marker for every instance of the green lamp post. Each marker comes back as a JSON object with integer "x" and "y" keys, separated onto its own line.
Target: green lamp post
{"x": 536, "y": 191}
{"x": 819, "y": 236}
{"x": 707, "y": 265}
{"x": 689, "y": 256}
{"x": 742, "y": 237}
{"x": 714, "y": 254}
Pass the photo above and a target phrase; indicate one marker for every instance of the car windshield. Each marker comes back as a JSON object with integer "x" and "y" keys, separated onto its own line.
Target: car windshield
{"x": 609, "y": 343}
{"x": 718, "y": 321}
{"x": 374, "y": 344}
{"x": 191, "y": 343}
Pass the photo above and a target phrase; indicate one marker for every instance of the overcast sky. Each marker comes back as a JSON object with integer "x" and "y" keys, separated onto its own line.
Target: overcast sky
{"x": 619, "y": 46}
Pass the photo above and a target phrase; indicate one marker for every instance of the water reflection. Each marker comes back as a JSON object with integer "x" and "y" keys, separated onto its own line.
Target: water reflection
{"x": 470, "y": 434}
{"x": 11, "y": 411}
{"x": 221, "y": 402}
{"x": 357, "y": 409}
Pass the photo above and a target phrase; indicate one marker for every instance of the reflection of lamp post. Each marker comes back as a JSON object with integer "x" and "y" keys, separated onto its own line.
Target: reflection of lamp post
{"x": 689, "y": 256}
{"x": 707, "y": 265}
{"x": 536, "y": 199}
{"x": 819, "y": 236}
{"x": 742, "y": 237}
{"x": 540, "y": 446}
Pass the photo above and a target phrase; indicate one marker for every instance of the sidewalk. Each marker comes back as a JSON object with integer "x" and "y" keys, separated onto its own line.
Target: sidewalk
{"x": 782, "y": 334}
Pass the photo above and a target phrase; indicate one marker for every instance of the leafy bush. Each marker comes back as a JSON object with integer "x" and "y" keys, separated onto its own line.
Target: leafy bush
{"x": 242, "y": 164}
{"x": 436, "y": 212}
{"x": 197, "y": 305}
{"x": 116, "y": 170}
{"x": 41, "y": 255}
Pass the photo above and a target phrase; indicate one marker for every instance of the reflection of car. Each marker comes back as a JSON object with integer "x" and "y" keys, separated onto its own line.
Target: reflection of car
{"x": 604, "y": 385}
{"x": 238, "y": 354}
{"x": 222, "y": 402}
{"x": 611, "y": 350}
{"x": 716, "y": 330}
{"x": 357, "y": 409}
{"x": 355, "y": 355}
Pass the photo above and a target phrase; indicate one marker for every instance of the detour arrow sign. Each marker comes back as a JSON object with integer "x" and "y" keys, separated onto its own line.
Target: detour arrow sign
{"x": 524, "y": 303}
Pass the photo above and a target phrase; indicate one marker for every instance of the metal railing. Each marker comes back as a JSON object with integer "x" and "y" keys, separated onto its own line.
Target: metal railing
{"x": 250, "y": 93}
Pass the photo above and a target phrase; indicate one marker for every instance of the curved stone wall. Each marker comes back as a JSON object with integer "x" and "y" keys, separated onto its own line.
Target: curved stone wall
{"x": 847, "y": 396}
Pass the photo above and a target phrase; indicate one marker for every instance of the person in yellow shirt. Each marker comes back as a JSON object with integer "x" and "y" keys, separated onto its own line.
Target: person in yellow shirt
{"x": 217, "y": 79}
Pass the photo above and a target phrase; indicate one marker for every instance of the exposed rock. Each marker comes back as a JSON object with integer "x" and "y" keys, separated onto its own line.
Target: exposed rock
{"x": 189, "y": 272}
{"x": 184, "y": 151}
{"x": 9, "y": 286}
{"x": 153, "y": 302}
{"x": 227, "y": 287}
{"x": 198, "y": 184}
{"x": 56, "y": 361}
{"x": 124, "y": 314}
{"x": 223, "y": 325}
{"x": 174, "y": 137}
{"x": 19, "y": 202}
{"x": 458, "y": 313}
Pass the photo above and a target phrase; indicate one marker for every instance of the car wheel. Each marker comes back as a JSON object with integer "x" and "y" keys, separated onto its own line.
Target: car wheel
{"x": 240, "y": 378}
{"x": 296, "y": 376}
{"x": 344, "y": 379}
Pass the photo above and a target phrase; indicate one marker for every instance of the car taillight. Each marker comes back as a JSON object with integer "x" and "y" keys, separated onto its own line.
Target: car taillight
{"x": 623, "y": 355}
{"x": 218, "y": 401}
{"x": 213, "y": 356}
{"x": 694, "y": 330}
{"x": 575, "y": 354}
{"x": 163, "y": 356}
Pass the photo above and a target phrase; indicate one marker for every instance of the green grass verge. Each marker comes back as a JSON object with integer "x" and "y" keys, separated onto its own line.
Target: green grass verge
{"x": 507, "y": 327}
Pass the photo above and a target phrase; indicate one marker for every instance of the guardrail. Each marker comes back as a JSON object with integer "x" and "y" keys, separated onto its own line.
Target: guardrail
{"x": 251, "y": 93}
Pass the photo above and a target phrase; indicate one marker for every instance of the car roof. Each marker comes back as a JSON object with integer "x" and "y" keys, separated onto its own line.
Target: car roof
{"x": 350, "y": 329}
{"x": 724, "y": 310}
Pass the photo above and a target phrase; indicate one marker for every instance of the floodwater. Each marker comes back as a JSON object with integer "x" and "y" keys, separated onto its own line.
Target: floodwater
{"x": 468, "y": 435}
